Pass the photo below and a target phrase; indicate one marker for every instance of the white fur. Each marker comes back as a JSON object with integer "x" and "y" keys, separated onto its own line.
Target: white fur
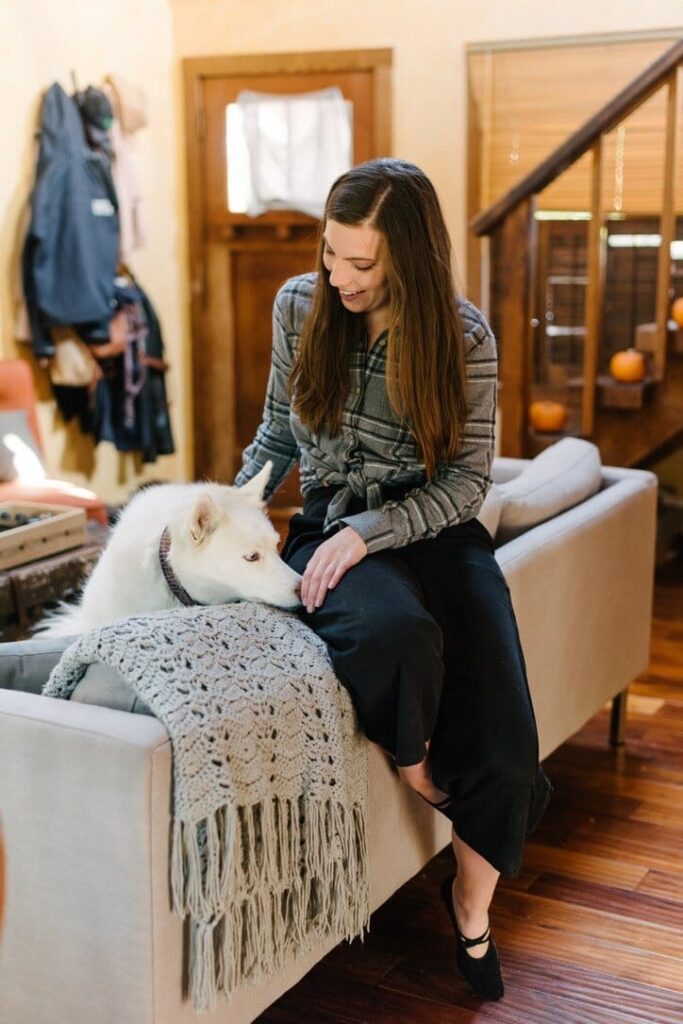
{"x": 213, "y": 528}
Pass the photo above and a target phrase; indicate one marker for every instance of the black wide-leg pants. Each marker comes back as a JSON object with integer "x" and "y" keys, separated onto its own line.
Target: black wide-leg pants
{"x": 425, "y": 639}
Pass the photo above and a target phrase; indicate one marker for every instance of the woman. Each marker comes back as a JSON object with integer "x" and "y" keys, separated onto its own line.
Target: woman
{"x": 383, "y": 386}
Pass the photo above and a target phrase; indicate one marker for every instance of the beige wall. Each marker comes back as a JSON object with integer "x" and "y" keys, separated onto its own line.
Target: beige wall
{"x": 428, "y": 39}
{"x": 40, "y": 42}
{"x": 429, "y": 108}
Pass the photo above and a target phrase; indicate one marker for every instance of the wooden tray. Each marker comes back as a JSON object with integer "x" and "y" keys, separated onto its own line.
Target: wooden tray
{"x": 64, "y": 529}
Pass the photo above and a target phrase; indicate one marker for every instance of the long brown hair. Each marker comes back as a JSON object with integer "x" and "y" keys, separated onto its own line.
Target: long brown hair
{"x": 425, "y": 372}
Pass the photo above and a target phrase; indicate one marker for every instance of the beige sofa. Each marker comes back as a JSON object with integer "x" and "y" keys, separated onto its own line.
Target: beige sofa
{"x": 85, "y": 791}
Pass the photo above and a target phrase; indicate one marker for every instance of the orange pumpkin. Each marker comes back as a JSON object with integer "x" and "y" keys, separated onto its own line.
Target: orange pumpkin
{"x": 628, "y": 365}
{"x": 677, "y": 311}
{"x": 548, "y": 417}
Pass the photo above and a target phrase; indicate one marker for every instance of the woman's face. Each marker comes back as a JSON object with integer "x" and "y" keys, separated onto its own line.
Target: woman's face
{"x": 351, "y": 255}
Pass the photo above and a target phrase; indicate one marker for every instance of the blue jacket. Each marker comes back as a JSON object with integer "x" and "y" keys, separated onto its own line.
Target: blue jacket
{"x": 71, "y": 249}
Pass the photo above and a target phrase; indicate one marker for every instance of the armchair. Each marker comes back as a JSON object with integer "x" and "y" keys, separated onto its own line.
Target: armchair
{"x": 17, "y": 393}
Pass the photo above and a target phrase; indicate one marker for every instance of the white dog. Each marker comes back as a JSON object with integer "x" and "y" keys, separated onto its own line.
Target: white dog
{"x": 186, "y": 544}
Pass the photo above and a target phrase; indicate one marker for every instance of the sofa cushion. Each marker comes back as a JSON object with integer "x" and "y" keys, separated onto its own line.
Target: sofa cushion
{"x": 26, "y": 664}
{"x": 563, "y": 475}
{"x": 104, "y": 686}
{"x": 15, "y": 422}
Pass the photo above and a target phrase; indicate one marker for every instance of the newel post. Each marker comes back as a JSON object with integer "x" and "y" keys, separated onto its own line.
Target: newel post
{"x": 518, "y": 256}
{"x": 595, "y": 292}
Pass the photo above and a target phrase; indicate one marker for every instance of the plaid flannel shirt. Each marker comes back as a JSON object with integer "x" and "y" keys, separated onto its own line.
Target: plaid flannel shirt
{"x": 373, "y": 446}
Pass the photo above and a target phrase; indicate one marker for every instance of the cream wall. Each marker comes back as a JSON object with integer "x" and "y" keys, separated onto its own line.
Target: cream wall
{"x": 429, "y": 71}
{"x": 429, "y": 104}
{"x": 40, "y": 42}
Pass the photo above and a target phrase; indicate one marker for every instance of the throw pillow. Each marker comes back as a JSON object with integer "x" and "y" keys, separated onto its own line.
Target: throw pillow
{"x": 563, "y": 475}
{"x": 14, "y": 425}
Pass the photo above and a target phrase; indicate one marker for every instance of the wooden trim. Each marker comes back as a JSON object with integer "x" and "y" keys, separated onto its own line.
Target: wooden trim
{"x": 474, "y": 244}
{"x": 563, "y": 42}
{"x": 382, "y": 99}
{"x": 674, "y": 114}
{"x": 283, "y": 63}
{"x": 518, "y": 271}
{"x": 619, "y": 107}
{"x": 595, "y": 290}
{"x": 195, "y": 70}
{"x": 220, "y": 273}
{"x": 192, "y": 93}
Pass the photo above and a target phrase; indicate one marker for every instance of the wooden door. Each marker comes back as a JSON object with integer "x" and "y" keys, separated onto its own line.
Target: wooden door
{"x": 239, "y": 262}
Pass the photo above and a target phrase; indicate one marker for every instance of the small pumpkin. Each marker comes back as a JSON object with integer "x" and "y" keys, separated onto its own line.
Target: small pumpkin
{"x": 677, "y": 311}
{"x": 548, "y": 417}
{"x": 628, "y": 366}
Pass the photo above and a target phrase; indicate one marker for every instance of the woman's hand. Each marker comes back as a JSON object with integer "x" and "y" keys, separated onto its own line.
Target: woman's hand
{"x": 329, "y": 563}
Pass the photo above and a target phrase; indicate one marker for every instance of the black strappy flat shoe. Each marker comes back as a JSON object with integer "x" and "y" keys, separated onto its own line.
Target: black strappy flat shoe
{"x": 483, "y": 974}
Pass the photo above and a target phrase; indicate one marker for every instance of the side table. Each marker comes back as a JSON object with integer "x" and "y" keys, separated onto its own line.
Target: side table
{"x": 25, "y": 589}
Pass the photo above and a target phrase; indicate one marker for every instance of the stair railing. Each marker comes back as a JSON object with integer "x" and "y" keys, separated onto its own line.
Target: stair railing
{"x": 513, "y": 215}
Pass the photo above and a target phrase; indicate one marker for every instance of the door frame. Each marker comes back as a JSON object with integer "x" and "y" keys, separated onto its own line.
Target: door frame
{"x": 195, "y": 71}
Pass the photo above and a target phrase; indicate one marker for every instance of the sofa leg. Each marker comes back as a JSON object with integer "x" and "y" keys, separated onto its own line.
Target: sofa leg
{"x": 618, "y": 719}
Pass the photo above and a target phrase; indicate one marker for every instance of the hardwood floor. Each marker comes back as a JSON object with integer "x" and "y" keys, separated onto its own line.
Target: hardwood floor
{"x": 591, "y": 932}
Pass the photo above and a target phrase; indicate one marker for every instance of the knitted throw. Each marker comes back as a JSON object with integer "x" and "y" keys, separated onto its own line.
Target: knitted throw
{"x": 269, "y": 851}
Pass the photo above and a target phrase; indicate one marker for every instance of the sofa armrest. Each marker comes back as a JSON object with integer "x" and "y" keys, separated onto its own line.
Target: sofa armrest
{"x": 582, "y": 586}
{"x": 85, "y": 803}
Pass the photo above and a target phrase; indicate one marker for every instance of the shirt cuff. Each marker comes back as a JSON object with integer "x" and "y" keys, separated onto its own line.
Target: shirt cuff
{"x": 375, "y": 527}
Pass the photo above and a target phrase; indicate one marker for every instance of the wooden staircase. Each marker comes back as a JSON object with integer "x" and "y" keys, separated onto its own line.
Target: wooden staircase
{"x": 625, "y": 437}
{"x": 629, "y": 438}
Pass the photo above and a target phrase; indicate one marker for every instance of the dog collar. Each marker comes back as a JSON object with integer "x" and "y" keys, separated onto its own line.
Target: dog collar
{"x": 174, "y": 584}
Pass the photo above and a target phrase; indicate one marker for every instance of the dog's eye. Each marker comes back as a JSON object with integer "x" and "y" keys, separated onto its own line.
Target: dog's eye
{"x": 253, "y": 557}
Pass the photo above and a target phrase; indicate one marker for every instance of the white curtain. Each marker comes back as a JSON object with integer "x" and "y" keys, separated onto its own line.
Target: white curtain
{"x": 296, "y": 145}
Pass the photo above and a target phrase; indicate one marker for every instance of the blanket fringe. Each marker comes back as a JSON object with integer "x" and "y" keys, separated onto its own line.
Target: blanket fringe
{"x": 303, "y": 865}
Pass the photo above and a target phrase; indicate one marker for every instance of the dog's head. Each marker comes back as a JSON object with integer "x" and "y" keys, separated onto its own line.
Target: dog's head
{"x": 226, "y": 548}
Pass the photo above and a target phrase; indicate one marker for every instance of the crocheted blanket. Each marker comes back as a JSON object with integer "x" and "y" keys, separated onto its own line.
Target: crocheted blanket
{"x": 269, "y": 852}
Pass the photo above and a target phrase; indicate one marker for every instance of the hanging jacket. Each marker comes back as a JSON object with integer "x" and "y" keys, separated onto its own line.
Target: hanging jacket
{"x": 70, "y": 252}
{"x": 128, "y": 405}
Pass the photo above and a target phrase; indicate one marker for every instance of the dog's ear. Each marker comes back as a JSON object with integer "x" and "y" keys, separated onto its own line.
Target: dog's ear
{"x": 204, "y": 518}
{"x": 255, "y": 487}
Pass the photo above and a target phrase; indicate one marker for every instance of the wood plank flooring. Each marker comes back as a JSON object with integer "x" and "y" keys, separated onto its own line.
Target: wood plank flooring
{"x": 591, "y": 932}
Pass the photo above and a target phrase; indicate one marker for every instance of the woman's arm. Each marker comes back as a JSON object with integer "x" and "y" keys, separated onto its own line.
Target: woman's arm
{"x": 458, "y": 490}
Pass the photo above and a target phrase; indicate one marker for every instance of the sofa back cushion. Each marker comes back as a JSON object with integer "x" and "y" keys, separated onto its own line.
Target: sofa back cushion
{"x": 563, "y": 475}
{"x": 26, "y": 664}
{"x": 490, "y": 511}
